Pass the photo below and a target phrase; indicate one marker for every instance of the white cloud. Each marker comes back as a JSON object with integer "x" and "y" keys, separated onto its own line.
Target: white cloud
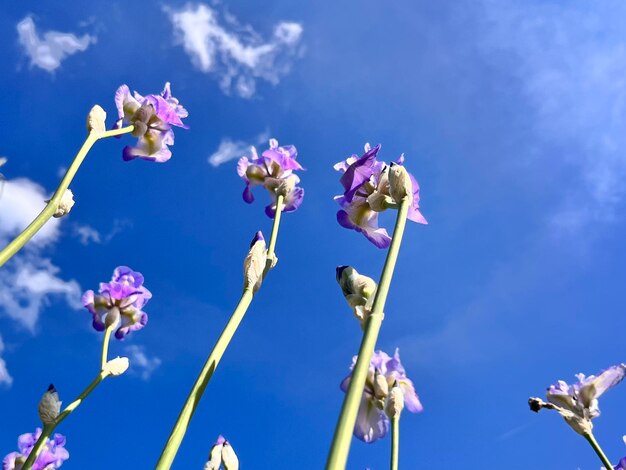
{"x": 87, "y": 234}
{"x": 236, "y": 54}
{"x": 231, "y": 149}
{"x": 49, "y": 52}
{"x": 140, "y": 363}
{"x": 5, "y": 378}
{"x": 29, "y": 280}
{"x": 21, "y": 201}
{"x": 570, "y": 62}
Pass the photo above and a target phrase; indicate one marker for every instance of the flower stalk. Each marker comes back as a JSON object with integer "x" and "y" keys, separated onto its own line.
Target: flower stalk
{"x": 395, "y": 442}
{"x": 50, "y": 209}
{"x": 177, "y": 434}
{"x": 340, "y": 447}
{"x": 598, "y": 450}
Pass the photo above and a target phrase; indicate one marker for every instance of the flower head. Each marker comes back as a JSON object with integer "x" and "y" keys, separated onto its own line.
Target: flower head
{"x": 367, "y": 191}
{"x": 123, "y": 297}
{"x": 578, "y": 403}
{"x": 222, "y": 454}
{"x": 152, "y": 117}
{"x": 274, "y": 170}
{"x": 384, "y": 373}
{"x": 51, "y": 456}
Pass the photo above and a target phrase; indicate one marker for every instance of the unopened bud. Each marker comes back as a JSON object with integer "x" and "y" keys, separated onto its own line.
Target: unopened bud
{"x": 112, "y": 317}
{"x": 215, "y": 455}
{"x": 381, "y": 387}
{"x": 116, "y": 366}
{"x": 65, "y": 204}
{"x": 400, "y": 185}
{"x": 395, "y": 402}
{"x": 49, "y": 406}
{"x": 229, "y": 458}
{"x": 254, "y": 264}
{"x": 96, "y": 120}
{"x": 356, "y": 288}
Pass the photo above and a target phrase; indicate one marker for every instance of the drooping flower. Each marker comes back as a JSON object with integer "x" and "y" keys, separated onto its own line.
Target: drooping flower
{"x": 123, "y": 297}
{"x": 51, "y": 456}
{"x": 222, "y": 454}
{"x": 384, "y": 373}
{"x": 578, "y": 403}
{"x": 274, "y": 170}
{"x": 365, "y": 181}
{"x": 153, "y": 117}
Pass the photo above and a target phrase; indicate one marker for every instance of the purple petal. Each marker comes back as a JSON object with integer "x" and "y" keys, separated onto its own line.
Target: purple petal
{"x": 371, "y": 423}
{"x": 344, "y": 220}
{"x": 247, "y": 194}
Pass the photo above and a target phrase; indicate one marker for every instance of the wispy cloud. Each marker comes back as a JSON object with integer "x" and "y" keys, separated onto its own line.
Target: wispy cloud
{"x": 230, "y": 149}
{"x": 140, "y": 363}
{"x": 236, "y": 54}
{"x": 49, "y": 52}
{"x": 5, "y": 378}
{"x": 87, "y": 234}
{"x": 29, "y": 280}
{"x": 570, "y": 62}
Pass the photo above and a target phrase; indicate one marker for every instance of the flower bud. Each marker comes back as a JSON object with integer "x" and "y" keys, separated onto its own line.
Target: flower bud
{"x": 254, "y": 264}
{"x": 139, "y": 129}
{"x": 65, "y": 204}
{"x": 49, "y": 406}
{"x": 112, "y": 317}
{"x": 381, "y": 387}
{"x": 400, "y": 185}
{"x": 356, "y": 288}
{"x": 380, "y": 200}
{"x": 395, "y": 402}
{"x": 229, "y": 458}
{"x": 143, "y": 114}
{"x": 116, "y": 366}
{"x": 285, "y": 186}
{"x": 96, "y": 120}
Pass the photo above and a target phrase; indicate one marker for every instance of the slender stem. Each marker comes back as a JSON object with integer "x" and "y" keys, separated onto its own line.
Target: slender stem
{"x": 279, "y": 210}
{"x": 48, "y": 211}
{"x": 105, "y": 346}
{"x": 178, "y": 432}
{"x": 340, "y": 447}
{"x": 168, "y": 454}
{"x": 395, "y": 442}
{"x": 603, "y": 458}
{"x": 48, "y": 428}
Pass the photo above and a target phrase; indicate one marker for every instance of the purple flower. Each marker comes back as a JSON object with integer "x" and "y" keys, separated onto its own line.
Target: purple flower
{"x": 153, "y": 117}
{"x": 126, "y": 294}
{"x": 51, "y": 456}
{"x": 274, "y": 170}
{"x": 372, "y": 423}
{"x": 578, "y": 403}
{"x": 366, "y": 193}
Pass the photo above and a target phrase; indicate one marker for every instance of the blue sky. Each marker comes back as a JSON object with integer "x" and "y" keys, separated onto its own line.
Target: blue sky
{"x": 511, "y": 115}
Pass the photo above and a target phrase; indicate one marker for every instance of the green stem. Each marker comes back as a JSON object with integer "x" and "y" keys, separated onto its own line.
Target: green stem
{"x": 168, "y": 454}
{"x": 340, "y": 447}
{"x": 395, "y": 442}
{"x": 105, "y": 346}
{"x": 48, "y": 211}
{"x": 596, "y": 447}
{"x": 49, "y": 428}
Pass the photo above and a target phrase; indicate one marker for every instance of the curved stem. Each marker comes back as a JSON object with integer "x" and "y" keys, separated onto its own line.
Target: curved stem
{"x": 340, "y": 447}
{"x": 596, "y": 447}
{"x": 48, "y": 211}
{"x": 395, "y": 442}
{"x": 168, "y": 454}
{"x": 48, "y": 428}
{"x": 105, "y": 346}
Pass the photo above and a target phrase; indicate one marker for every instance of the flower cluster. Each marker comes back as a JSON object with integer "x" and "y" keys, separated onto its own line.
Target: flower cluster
{"x": 367, "y": 192}
{"x": 51, "y": 456}
{"x": 578, "y": 403}
{"x": 123, "y": 297}
{"x": 274, "y": 170}
{"x": 384, "y": 373}
{"x": 152, "y": 117}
